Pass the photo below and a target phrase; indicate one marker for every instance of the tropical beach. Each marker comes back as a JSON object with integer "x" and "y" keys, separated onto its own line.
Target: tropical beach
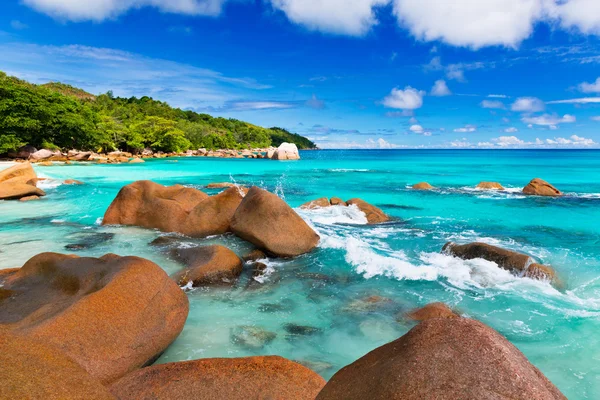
{"x": 299, "y": 200}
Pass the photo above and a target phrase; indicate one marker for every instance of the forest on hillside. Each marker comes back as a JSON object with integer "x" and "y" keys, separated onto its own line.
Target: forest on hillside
{"x": 60, "y": 116}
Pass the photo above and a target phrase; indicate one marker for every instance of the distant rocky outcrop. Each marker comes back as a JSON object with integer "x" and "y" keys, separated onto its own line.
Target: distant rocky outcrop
{"x": 490, "y": 186}
{"x": 444, "y": 359}
{"x": 286, "y": 151}
{"x": 374, "y": 214}
{"x": 266, "y": 221}
{"x": 539, "y": 187}
{"x": 207, "y": 265}
{"x": 518, "y": 263}
{"x": 111, "y": 315}
{"x": 270, "y": 377}
{"x": 422, "y": 186}
{"x": 19, "y": 181}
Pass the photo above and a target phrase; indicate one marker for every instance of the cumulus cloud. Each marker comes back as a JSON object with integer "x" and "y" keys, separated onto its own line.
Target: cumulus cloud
{"x": 466, "y": 129}
{"x": 407, "y": 99}
{"x": 504, "y": 141}
{"x": 573, "y": 140}
{"x": 416, "y": 128}
{"x": 593, "y": 87}
{"x": 492, "y": 104}
{"x": 355, "y": 17}
{"x": 440, "y": 89}
{"x": 99, "y": 10}
{"x": 528, "y": 105}
{"x": 472, "y": 23}
{"x": 512, "y": 129}
{"x": 557, "y": 142}
{"x": 549, "y": 120}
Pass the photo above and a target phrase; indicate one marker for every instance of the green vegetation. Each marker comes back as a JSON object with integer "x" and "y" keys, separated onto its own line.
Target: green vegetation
{"x": 56, "y": 115}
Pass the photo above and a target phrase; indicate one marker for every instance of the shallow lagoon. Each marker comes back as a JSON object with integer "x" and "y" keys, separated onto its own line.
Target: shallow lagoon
{"x": 315, "y": 304}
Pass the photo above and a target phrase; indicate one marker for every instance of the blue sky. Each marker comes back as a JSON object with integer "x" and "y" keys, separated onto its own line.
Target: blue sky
{"x": 346, "y": 73}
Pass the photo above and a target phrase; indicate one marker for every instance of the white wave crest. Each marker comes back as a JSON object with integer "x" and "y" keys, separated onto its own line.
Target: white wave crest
{"x": 334, "y": 215}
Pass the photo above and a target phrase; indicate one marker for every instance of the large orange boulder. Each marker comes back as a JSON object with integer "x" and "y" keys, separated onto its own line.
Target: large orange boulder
{"x": 20, "y": 173}
{"x": 19, "y": 181}
{"x": 490, "y": 186}
{"x": 432, "y": 310}
{"x": 518, "y": 263}
{"x": 208, "y": 265}
{"x": 444, "y": 359}
{"x": 539, "y": 187}
{"x": 111, "y": 315}
{"x": 422, "y": 186}
{"x": 34, "y": 370}
{"x": 269, "y": 223}
{"x": 374, "y": 214}
{"x": 173, "y": 209}
{"x": 318, "y": 203}
{"x": 270, "y": 377}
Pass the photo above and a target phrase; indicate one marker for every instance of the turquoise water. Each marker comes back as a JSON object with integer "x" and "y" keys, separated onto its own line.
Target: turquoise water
{"x": 399, "y": 261}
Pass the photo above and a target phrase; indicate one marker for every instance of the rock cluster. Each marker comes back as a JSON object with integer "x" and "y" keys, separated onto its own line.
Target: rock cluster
{"x": 374, "y": 214}
{"x": 520, "y": 264}
{"x": 259, "y": 217}
{"x": 19, "y": 181}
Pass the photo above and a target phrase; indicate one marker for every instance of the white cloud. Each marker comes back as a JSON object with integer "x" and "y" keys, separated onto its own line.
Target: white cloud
{"x": 573, "y": 140}
{"x": 583, "y": 100}
{"x": 504, "y": 141}
{"x": 440, "y": 89}
{"x": 595, "y": 118}
{"x": 407, "y": 99}
{"x": 259, "y": 105}
{"x": 99, "y": 10}
{"x": 492, "y": 104}
{"x": 549, "y": 120}
{"x": 416, "y": 128}
{"x": 558, "y": 142}
{"x": 367, "y": 144}
{"x": 528, "y": 105}
{"x": 581, "y": 14}
{"x": 498, "y": 96}
{"x": 462, "y": 143}
{"x": 349, "y": 17}
{"x": 456, "y": 73}
{"x": 593, "y": 87}
{"x": 512, "y": 129}
{"x": 472, "y": 23}
{"x": 466, "y": 129}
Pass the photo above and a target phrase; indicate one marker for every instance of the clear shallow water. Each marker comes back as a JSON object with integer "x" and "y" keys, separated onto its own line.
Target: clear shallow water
{"x": 400, "y": 261}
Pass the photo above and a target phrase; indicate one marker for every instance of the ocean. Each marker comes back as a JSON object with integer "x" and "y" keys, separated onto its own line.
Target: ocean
{"x": 349, "y": 296}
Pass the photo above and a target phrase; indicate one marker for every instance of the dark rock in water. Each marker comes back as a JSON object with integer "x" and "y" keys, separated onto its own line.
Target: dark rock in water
{"x": 249, "y": 378}
{"x": 509, "y": 260}
{"x": 301, "y": 330}
{"x": 90, "y": 240}
{"x": 284, "y": 305}
{"x": 258, "y": 269}
{"x": 315, "y": 276}
{"x": 401, "y": 207}
{"x": 254, "y": 255}
{"x": 111, "y": 315}
{"x": 443, "y": 359}
{"x": 165, "y": 240}
{"x": 252, "y": 337}
{"x": 316, "y": 365}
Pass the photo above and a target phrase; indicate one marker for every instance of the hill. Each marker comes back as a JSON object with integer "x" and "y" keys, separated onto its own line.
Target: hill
{"x": 57, "y": 115}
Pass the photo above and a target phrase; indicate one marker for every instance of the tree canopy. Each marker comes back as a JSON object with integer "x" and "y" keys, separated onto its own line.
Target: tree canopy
{"x": 57, "y": 115}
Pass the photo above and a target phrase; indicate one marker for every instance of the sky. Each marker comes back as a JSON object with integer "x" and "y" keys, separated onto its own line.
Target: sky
{"x": 345, "y": 73}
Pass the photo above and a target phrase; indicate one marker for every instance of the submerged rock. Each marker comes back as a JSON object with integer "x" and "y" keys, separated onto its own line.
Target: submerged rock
{"x": 539, "y": 187}
{"x": 512, "y": 261}
{"x": 252, "y": 337}
{"x": 490, "y": 186}
{"x": 266, "y": 221}
{"x": 374, "y": 215}
{"x": 73, "y": 182}
{"x": 29, "y": 198}
{"x": 422, "y": 186}
{"x": 34, "y": 370}
{"x": 208, "y": 265}
{"x": 270, "y": 377}
{"x": 284, "y": 305}
{"x": 301, "y": 330}
{"x": 111, "y": 315}
{"x": 433, "y": 310}
{"x": 368, "y": 304}
{"x": 90, "y": 240}
{"x": 445, "y": 359}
